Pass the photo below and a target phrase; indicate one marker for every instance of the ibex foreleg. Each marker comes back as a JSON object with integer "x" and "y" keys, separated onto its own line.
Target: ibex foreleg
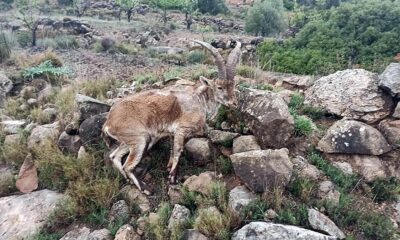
{"x": 179, "y": 140}
{"x": 116, "y": 158}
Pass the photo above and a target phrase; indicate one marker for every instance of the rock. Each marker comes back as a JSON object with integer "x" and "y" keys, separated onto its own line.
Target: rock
{"x": 390, "y": 79}
{"x": 193, "y": 234}
{"x": 69, "y": 143}
{"x": 180, "y": 214}
{"x": 270, "y": 214}
{"x": 82, "y": 152}
{"x": 32, "y": 102}
{"x": 12, "y": 139}
{"x": 353, "y": 137}
{"x": 344, "y": 167}
{"x": 12, "y": 126}
{"x": 28, "y": 92}
{"x": 167, "y": 50}
{"x": 107, "y": 43}
{"x": 396, "y": 112}
{"x": 133, "y": 196}
{"x": 397, "y": 208}
{"x": 27, "y": 178}
{"x": 5, "y": 83}
{"x": 245, "y": 144}
{"x": 174, "y": 194}
{"x": 77, "y": 234}
{"x": 286, "y": 95}
{"x": 267, "y": 116}
{"x": 326, "y": 191}
{"x": 46, "y": 93}
{"x": 391, "y": 130}
{"x": 352, "y": 93}
{"x": 305, "y": 170}
{"x": 240, "y": 197}
{"x": 370, "y": 167}
{"x": 52, "y": 113}
{"x": 119, "y": 211}
{"x": 102, "y": 234}
{"x": 222, "y": 137}
{"x": 153, "y": 218}
{"x": 126, "y": 232}
{"x": 43, "y": 134}
{"x": 273, "y": 231}
{"x": 90, "y": 129}
{"x": 88, "y": 107}
{"x": 320, "y": 222}
{"x": 199, "y": 149}
{"x": 22, "y": 216}
{"x": 6, "y": 180}
{"x": 200, "y": 183}
{"x": 263, "y": 170}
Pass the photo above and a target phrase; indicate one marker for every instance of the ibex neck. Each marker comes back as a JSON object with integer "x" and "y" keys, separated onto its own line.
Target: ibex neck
{"x": 207, "y": 100}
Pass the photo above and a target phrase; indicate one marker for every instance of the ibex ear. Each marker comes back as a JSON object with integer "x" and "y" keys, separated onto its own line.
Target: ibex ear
{"x": 206, "y": 81}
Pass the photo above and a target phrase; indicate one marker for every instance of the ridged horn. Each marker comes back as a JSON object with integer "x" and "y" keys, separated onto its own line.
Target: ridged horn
{"x": 218, "y": 59}
{"x": 233, "y": 59}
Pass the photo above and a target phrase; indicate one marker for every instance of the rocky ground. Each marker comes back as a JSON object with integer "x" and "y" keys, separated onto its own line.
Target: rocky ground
{"x": 302, "y": 157}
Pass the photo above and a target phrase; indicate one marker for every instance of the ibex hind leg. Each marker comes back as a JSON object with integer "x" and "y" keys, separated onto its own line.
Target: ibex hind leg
{"x": 134, "y": 157}
{"x": 116, "y": 158}
{"x": 179, "y": 140}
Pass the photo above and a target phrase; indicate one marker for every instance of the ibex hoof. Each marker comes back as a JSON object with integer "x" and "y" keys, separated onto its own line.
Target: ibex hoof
{"x": 172, "y": 179}
{"x": 147, "y": 192}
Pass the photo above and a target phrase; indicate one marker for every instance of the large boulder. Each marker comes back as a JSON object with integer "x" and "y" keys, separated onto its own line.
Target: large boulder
{"x": 273, "y": 231}
{"x": 245, "y": 143}
{"x": 267, "y": 116}
{"x": 352, "y": 93}
{"x": 43, "y": 134}
{"x": 88, "y": 107}
{"x": 396, "y": 113}
{"x": 320, "y": 222}
{"x": 240, "y": 197}
{"x": 22, "y": 216}
{"x": 90, "y": 129}
{"x": 263, "y": 170}
{"x": 199, "y": 150}
{"x": 390, "y": 79}
{"x": 353, "y": 137}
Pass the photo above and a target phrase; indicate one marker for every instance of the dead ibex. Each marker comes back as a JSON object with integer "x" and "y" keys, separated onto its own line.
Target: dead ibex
{"x": 137, "y": 122}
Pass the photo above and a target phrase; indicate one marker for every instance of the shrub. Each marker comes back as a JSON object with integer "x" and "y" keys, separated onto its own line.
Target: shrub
{"x": 46, "y": 56}
{"x": 24, "y": 38}
{"x": 212, "y": 7}
{"x": 376, "y": 226}
{"x": 293, "y": 214}
{"x": 189, "y": 199}
{"x": 225, "y": 165}
{"x": 47, "y": 69}
{"x": 246, "y": 71}
{"x": 64, "y": 99}
{"x": 213, "y": 225}
{"x": 12, "y": 108}
{"x": 302, "y": 188}
{"x": 265, "y": 18}
{"x": 385, "y": 189}
{"x": 107, "y": 43}
{"x": 196, "y": 56}
{"x": 39, "y": 116}
{"x": 158, "y": 230}
{"x": 302, "y": 126}
{"x": 14, "y": 154}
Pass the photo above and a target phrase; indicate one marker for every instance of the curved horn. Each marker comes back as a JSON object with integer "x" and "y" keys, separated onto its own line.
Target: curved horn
{"x": 218, "y": 60}
{"x": 233, "y": 60}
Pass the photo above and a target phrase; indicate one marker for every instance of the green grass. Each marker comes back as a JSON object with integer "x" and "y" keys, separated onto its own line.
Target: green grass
{"x": 47, "y": 236}
{"x": 385, "y": 189}
{"x": 53, "y": 74}
{"x": 146, "y": 78}
{"x": 98, "y": 88}
{"x": 302, "y": 188}
{"x": 298, "y": 107}
{"x": 302, "y": 126}
{"x": 246, "y": 71}
{"x": 345, "y": 182}
{"x": 225, "y": 165}
{"x": 294, "y": 214}
{"x": 255, "y": 210}
{"x": 196, "y": 56}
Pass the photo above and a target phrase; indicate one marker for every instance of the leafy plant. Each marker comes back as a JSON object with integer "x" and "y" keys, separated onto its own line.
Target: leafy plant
{"x": 265, "y": 17}
{"x": 46, "y": 69}
{"x": 302, "y": 126}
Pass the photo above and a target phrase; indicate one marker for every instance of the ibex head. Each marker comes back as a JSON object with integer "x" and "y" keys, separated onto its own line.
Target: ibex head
{"x": 224, "y": 86}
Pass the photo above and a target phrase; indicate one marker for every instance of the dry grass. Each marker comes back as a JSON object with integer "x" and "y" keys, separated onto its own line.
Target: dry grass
{"x": 98, "y": 88}
{"x": 39, "y": 116}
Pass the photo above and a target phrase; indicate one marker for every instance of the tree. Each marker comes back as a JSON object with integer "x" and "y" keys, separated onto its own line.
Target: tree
{"x": 165, "y": 5}
{"x": 127, "y": 6}
{"x": 189, "y": 7}
{"x": 80, "y": 7}
{"x": 28, "y": 12}
{"x": 265, "y": 18}
{"x": 212, "y": 7}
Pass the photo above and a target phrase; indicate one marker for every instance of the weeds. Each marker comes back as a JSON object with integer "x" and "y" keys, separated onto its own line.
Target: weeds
{"x": 197, "y": 56}
{"x": 12, "y": 108}
{"x": 254, "y": 210}
{"x": 14, "y": 154}
{"x": 246, "y": 71}
{"x": 189, "y": 199}
{"x": 98, "y": 88}
{"x": 302, "y": 126}
{"x": 158, "y": 230}
{"x": 64, "y": 100}
{"x": 59, "y": 42}
{"x": 293, "y": 214}
{"x": 39, "y": 116}
{"x": 302, "y": 188}
{"x": 213, "y": 224}
{"x": 297, "y": 107}
{"x": 147, "y": 78}
{"x": 47, "y": 236}
{"x": 385, "y": 189}
{"x": 53, "y": 74}
{"x": 225, "y": 165}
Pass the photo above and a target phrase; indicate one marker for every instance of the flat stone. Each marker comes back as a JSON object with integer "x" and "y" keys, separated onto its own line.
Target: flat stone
{"x": 240, "y": 197}
{"x": 12, "y": 126}
{"x": 245, "y": 144}
{"x": 319, "y": 221}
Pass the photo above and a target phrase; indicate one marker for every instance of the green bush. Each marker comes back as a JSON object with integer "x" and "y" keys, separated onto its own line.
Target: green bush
{"x": 246, "y": 71}
{"x": 302, "y": 126}
{"x": 362, "y": 33}
{"x": 24, "y": 38}
{"x": 47, "y": 69}
{"x": 212, "y": 7}
{"x": 196, "y": 56}
{"x": 265, "y": 18}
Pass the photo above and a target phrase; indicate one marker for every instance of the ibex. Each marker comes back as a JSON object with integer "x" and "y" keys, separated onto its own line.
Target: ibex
{"x": 137, "y": 122}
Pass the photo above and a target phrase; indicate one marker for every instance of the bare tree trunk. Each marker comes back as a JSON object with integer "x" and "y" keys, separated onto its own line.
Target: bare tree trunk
{"x": 129, "y": 14}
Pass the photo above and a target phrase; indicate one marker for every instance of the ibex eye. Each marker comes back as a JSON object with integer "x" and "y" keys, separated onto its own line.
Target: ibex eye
{"x": 219, "y": 88}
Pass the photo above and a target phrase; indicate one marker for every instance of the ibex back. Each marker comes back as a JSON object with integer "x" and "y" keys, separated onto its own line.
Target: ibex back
{"x": 137, "y": 122}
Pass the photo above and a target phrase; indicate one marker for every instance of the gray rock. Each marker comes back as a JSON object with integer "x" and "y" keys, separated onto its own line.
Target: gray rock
{"x": 77, "y": 234}
{"x": 27, "y": 178}
{"x": 390, "y": 79}
{"x": 397, "y": 208}
{"x": 102, "y": 234}
{"x": 69, "y": 143}
{"x": 240, "y": 197}
{"x": 193, "y": 234}
{"x": 199, "y": 149}
{"x": 305, "y": 170}
{"x": 5, "y": 83}
{"x": 270, "y": 214}
{"x": 88, "y": 107}
{"x": 12, "y": 126}
{"x": 391, "y": 130}
{"x": 32, "y": 102}
{"x": 345, "y": 167}
{"x": 180, "y": 214}
{"x": 222, "y": 137}
{"x": 263, "y": 170}
{"x": 353, "y": 137}
{"x": 119, "y": 211}
{"x": 245, "y": 143}
{"x": 12, "y": 139}
{"x": 168, "y": 50}
{"x": 52, "y": 113}
{"x": 28, "y": 92}
{"x": 327, "y": 191}
{"x": 396, "y": 112}
{"x": 126, "y": 232}
{"x": 319, "y": 221}
{"x": 6, "y": 180}
{"x": 43, "y": 134}
{"x": 273, "y": 231}
{"x": 352, "y": 93}
{"x": 200, "y": 183}
{"x": 46, "y": 93}
{"x": 90, "y": 129}
{"x": 133, "y": 196}
{"x": 22, "y": 216}
{"x": 267, "y": 116}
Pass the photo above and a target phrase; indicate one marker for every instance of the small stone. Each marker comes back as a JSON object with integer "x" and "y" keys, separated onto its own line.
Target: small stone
{"x": 12, "y": 126}
{"x": 199, "y": 150}
{"x": 119, "y": 211}
{"x": 245, "y": 143}
{"x": 180, "y": 214}
{"x": 174, "y": 194}
{"x": 27, "y": 178}
{"x": 126, "y": 232}
{"x": 77, "y": 234}
{"x": 327, "y": 191}
{"x": 200, "y": 183}
{"x": 270, "y": 214}
{"x": 193, "y": 234}
{"x": 222, "y": 137}
{"x": 344, "y": 167}
{"x": 319, "y": 221}
{"x": 102, "y": 234}
{"x": 133, "y": 196}
{"x": 240, "y": 197}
